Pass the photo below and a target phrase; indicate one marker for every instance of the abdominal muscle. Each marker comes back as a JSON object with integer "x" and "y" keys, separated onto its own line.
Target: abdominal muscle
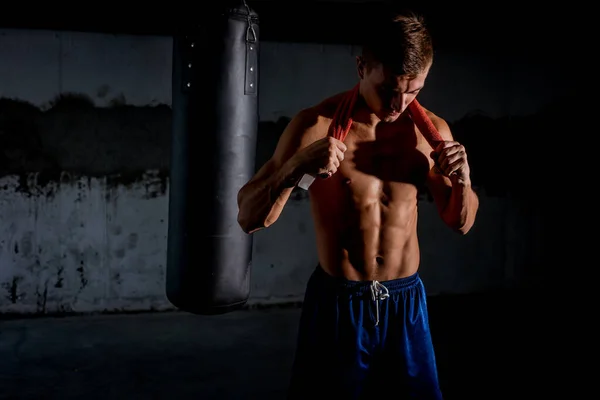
{"x": 366, "y": 234}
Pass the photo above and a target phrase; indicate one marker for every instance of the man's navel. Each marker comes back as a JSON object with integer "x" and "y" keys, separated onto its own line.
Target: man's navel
{"x": 385, "y": 199}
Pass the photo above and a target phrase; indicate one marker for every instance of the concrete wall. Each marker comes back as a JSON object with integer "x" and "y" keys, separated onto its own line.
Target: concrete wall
{"x": 84, "y": 135}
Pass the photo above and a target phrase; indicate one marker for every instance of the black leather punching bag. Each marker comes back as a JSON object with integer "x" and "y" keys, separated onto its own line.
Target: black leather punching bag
{"x": 215, "y": 122}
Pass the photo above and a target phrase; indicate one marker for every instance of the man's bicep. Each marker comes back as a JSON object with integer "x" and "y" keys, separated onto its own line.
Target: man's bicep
{"x": 290, "y": 141}
{"x": 442, "y": 127}
{"x": 293, "y": 137}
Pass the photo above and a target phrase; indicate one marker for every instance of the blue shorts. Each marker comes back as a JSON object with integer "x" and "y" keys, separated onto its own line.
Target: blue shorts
{"x": 361, "y": 340}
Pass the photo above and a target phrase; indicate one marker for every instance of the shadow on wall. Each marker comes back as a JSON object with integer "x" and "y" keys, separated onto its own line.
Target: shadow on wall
{"x": 120, "y": 142}
{"x": 508, "y": 155}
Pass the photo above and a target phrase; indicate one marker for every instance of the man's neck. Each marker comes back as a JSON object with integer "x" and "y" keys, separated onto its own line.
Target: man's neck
{"x": 363, "y": 113}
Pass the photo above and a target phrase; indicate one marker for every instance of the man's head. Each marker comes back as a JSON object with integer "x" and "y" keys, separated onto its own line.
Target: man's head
{"x": 396, "y": 57}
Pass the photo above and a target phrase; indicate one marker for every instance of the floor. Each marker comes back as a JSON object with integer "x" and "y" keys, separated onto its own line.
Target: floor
{"x": 486, "y": 350}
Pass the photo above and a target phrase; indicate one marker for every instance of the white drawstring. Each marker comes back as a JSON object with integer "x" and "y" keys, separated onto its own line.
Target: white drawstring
{"x": 378, "y": 292}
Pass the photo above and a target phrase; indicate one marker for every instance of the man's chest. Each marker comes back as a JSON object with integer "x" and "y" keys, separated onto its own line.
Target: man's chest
{"x": 385, "y": 157}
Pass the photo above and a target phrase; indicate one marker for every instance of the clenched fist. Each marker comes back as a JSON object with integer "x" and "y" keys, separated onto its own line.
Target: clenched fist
{"x": 323, "y": 157}
{"x": 451, "y": 160}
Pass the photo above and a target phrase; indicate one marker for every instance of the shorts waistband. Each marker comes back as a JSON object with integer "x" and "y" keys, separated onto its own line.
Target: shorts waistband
{"x": 361, "y": 287}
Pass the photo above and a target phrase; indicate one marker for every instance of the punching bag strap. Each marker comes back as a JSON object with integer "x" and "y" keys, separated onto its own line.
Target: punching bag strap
{"x": 251, "y": 78}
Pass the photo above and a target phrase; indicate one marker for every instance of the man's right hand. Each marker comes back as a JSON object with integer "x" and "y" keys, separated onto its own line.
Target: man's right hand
{"x": 322, "y": 158}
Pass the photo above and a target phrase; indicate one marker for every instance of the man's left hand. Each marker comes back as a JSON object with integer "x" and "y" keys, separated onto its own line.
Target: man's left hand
{"x": 451, "y": 159}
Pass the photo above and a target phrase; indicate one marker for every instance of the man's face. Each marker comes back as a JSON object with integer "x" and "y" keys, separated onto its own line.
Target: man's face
{"x": 388, "y": 94}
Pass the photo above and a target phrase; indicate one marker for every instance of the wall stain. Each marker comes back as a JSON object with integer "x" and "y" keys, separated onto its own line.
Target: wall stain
{"x": 42, "y": 298}
{"x": 12, "y": 289}
{"x": 59, "y": 277}
{"x": 73, "y": 140}
{"x": 116, "y": 278}
{"x": 82, "y": 279}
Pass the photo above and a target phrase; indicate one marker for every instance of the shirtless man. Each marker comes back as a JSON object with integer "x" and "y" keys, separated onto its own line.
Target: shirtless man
{"x": 364, "y": 330}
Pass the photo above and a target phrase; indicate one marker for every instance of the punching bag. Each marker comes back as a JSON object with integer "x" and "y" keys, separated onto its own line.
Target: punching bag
{"x": 213, "y": 148}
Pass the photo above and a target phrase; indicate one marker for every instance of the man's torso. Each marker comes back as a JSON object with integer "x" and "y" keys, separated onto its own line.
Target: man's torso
{"x": 365, "y": 215}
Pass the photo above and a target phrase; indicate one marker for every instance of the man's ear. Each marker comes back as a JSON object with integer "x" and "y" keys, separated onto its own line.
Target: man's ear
{"x": 360, "y": 66}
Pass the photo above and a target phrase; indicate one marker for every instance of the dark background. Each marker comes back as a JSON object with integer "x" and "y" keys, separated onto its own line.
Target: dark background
{"x": 498, "y": 346}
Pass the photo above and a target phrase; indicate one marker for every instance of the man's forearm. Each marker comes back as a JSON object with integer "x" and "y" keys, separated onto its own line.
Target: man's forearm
{"x": 462, "y": 207}
{"x": 261, "y": 201}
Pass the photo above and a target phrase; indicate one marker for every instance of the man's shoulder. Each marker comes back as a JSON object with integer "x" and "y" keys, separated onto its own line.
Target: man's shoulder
{"x": 307, "y": 124}
{"x": 325, "y": 108}
{"x": 320, "y": 113}
{"x": 312, "y": 123}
